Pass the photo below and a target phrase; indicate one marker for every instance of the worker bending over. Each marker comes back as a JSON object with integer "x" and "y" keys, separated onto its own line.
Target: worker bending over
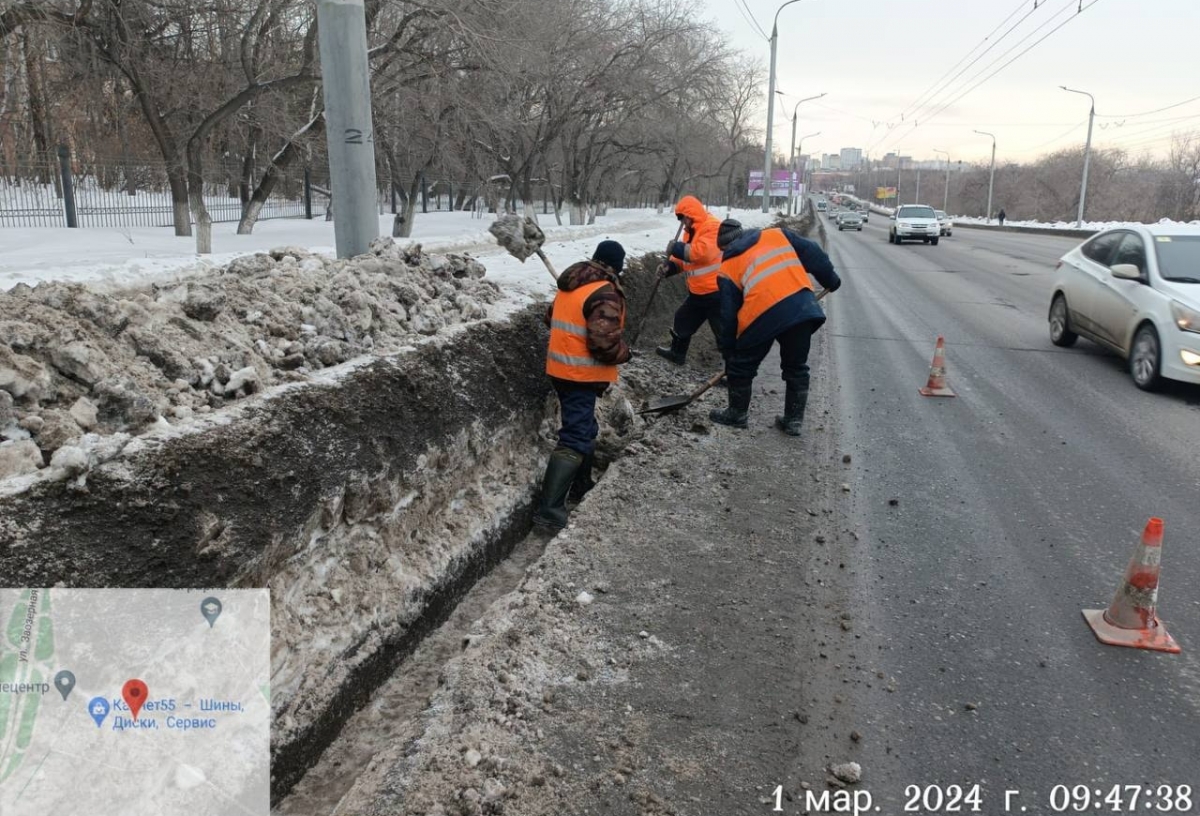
{"x": 698, "y": 257}
{"x": 767, "y": 297}
{"x": 586, "y": 322}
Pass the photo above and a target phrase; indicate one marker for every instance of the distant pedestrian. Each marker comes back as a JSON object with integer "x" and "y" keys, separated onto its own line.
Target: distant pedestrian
{"x": 767, "y": 298}
{"x": 1001, "y": 216}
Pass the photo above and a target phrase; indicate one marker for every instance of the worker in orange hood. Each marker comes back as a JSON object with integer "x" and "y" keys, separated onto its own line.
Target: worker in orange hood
{"x": 699, "y": 258}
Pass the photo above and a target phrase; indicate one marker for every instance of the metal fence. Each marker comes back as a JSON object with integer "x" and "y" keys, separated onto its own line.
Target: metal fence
{"x": 106, "y": 194}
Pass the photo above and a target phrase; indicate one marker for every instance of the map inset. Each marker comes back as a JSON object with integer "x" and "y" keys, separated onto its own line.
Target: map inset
{"x": 124, "y": 702}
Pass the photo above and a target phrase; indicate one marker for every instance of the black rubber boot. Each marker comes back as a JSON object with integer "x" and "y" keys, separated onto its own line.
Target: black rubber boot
{"x": 583, "y": 479}
{"x": 738, "y": 412}
{"x": 794, "y": 401}
{"x": 560, "y": 473}
{"x": 677, "y": 351}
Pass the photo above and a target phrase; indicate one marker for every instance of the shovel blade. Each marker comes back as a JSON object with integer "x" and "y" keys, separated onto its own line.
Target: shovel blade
{"x": 664, "y": 405}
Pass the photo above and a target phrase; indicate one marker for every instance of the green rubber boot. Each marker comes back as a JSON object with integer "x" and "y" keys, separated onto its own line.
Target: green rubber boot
{"x": 560, "y": 473}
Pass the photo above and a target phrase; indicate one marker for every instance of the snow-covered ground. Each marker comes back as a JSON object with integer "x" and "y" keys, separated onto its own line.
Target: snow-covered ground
{"x": 129, "y": 256}
{"x": 1095, "y": 226}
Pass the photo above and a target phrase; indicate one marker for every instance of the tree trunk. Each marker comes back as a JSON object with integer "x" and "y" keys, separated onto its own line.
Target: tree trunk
{"x": 248, "y": 166}
{"x": 177, "y": 179}
{"x": 410, "y": 206}
{"x": 38, "y": 121}
{"x": 276, "y": 171}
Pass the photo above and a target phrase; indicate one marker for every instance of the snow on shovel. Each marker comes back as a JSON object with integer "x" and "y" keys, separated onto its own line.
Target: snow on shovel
{"x": 522, "y": 237}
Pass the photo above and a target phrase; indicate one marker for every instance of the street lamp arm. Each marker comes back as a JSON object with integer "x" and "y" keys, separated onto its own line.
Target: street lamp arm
{"x": 775, "y": 24}
{"x": 806, "y": 99}
{"x": 1085, "y": 93}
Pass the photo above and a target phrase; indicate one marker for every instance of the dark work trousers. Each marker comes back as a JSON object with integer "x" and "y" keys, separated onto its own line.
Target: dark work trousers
{"x": 577, "y": 405}
{"x": 694, "y": 311}
{"x": 742, "y": 363}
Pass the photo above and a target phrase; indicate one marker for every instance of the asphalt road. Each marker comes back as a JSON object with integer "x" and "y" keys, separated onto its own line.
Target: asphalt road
{"x": 1017, "y": 504}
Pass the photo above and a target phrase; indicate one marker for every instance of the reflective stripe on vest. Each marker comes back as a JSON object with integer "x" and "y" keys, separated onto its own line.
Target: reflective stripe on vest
{"x": 767, "y": 273}
{"x": 567, "y": 357}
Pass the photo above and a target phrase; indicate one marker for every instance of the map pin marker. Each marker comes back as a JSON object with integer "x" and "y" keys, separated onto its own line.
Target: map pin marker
{"x": 134, "y": 692}
{"x": 98, "y": 708}
{"x": 210, "y": 608}
{"x": 64, "y": 681}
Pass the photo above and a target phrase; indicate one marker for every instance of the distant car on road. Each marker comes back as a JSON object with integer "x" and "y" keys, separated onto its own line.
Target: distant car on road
{"x": 914, "y": 222}
{"x": 944, "y": 222}
{"x": 821, "y": 205}
{"x": 865, "y": 212}
{"x": 848, "y": 219}
{"x": 833, "y": 212}
{"x": 1135, "y": 290}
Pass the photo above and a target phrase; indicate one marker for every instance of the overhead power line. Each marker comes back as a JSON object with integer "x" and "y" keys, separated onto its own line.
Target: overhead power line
{"x": 938, "y": 85}
{"x": 981, "y": 55}
{"x": 749, "y": 17}
{"x": 1080, "y": 9}
{"x": 1144, "y": 113}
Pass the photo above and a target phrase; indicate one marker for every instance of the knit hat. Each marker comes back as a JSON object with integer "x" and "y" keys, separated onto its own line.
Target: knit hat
{"x": 611, "y": 254}
{"x": 729, "y": 231}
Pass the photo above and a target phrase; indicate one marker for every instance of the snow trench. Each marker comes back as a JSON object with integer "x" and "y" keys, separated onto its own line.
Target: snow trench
{"x": 368, "y": 499}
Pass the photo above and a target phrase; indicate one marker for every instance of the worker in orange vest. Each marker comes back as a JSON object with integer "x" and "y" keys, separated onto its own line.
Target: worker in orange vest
{"x": 697, "y": 257}
{"x": 587, "y": 321}
{"x": 767, "y": 298}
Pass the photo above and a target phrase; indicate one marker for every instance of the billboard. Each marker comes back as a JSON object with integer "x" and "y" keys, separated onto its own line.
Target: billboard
{"x": 779, "y": 183}
{"x": 885, "y": 192}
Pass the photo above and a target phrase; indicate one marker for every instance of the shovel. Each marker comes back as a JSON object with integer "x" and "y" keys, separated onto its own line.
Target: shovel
{"x": 665, "y": 405}
{"x": 522, "y": 237}
{"x": 657, "y": 280}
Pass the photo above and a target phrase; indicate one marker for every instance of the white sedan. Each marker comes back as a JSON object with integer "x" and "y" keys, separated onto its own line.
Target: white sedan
{"x": 1135, "y": 290}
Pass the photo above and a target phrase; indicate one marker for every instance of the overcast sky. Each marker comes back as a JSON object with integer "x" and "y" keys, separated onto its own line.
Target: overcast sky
{"x": 876, "y": 58}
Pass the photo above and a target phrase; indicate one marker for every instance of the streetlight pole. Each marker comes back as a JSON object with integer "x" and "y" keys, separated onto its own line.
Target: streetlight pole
{"x": 1087, "y": 154}
{"x": 946, "y": 196}
{"x": 766, "y": 204}
{"x": 991, "y": 176}
{"x": 792, "y": 160}
{"x": 796, "y": 151}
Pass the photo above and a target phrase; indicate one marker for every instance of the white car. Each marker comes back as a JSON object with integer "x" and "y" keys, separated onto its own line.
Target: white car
{"x": 914, "y": 222}
{"x": 1135, "y": 290}
{"x": 944, "y": 223}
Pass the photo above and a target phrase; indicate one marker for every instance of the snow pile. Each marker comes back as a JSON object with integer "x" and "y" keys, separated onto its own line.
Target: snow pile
{"x": 1095, "y": 226}
{"x": 74, "y": 360}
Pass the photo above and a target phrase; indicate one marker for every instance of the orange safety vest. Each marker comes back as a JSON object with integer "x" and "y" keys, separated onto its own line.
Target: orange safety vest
{"x": 767, "y": 273}
{"x": 701, "y": 272}
{"x": 567, "y": 357}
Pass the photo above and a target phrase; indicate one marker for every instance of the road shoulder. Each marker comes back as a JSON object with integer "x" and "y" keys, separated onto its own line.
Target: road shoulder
{"x": 684, "y": 647}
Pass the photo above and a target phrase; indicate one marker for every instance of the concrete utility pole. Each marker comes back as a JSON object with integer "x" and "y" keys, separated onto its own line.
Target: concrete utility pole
{"x": 946, "y": 196}
{"x": 1087, "y": 154}
{"x": 991, "y": 176}
{"x": 342, "y": 31}
{"x": 766, "y": 204}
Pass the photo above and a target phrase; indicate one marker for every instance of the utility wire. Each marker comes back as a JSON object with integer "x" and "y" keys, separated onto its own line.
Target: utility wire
{"x": 1059, "y": 137}
{"x": 981, "y": 55}
{"x": 939, "y": 86}
{"x": 1081, "y": 8}
{"x": 749, "y": 17}
{"x": 1145, "y": 113}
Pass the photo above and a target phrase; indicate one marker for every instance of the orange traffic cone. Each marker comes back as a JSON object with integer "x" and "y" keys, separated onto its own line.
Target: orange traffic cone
{"x": 936, "y": 387}
{"x": 1130, "y": 619}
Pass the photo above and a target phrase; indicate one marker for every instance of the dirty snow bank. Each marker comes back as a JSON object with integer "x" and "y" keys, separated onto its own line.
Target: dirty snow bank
{"x": 76, "y": 361}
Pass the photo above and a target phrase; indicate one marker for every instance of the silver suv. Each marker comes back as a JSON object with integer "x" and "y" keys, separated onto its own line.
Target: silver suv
{"x": 913, "y": 222}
